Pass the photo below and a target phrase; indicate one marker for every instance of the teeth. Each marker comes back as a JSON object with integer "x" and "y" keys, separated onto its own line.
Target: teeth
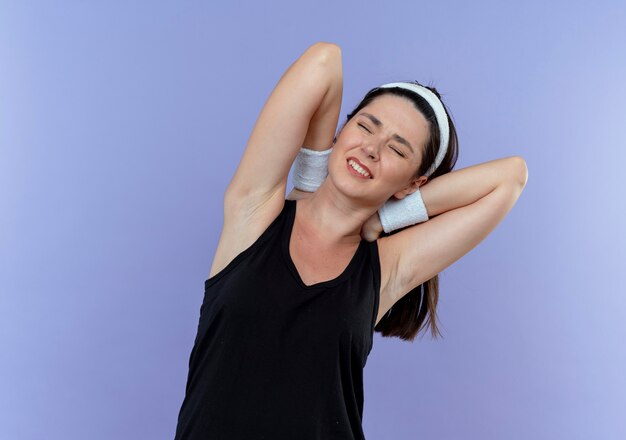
{"x": 358, "y": 168}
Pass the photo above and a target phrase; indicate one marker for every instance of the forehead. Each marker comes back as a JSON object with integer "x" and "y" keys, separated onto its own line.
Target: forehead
{"x": 400, "y": 116}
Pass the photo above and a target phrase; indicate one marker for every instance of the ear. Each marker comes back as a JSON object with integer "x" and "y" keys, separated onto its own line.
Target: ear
{"x": 413, "y": 186}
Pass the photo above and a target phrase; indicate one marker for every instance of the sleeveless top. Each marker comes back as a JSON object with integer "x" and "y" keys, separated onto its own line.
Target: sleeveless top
{"x": 274, "y": 358}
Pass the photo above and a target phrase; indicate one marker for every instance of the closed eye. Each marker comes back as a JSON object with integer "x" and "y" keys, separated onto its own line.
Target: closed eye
{"x": 361, "y": 125}
{"x": 398, "y": 152}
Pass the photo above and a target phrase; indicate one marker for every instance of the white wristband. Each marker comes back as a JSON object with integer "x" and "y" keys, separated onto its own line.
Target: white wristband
{"x": 398, "y": 213}
{"x": 310, "y": 169}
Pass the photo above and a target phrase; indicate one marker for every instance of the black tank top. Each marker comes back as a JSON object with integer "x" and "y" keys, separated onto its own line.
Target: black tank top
{"x": 274, "y": 358}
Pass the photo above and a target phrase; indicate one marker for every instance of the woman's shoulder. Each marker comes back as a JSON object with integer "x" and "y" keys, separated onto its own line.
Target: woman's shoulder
{"x": 245, "y": 220}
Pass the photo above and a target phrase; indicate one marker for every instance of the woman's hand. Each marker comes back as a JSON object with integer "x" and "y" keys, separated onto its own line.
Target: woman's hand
{"x": 372, "y": 228}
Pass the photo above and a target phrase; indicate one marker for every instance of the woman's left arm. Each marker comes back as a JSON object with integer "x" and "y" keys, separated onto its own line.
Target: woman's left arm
{"x": 464, "y": 206}
{"x": 461, "y": 187}
{"x": 467, "y": 185}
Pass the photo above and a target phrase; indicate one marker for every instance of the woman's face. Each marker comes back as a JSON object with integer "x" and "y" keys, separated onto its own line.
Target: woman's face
{"x": 386, "y": 139}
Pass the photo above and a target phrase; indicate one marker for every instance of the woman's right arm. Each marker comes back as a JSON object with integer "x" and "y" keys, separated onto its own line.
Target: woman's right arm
{"x": 283, "y": 124}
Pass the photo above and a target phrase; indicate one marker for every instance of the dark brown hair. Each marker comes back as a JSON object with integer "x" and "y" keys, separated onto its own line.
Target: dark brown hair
{"x": 416, "y": 310}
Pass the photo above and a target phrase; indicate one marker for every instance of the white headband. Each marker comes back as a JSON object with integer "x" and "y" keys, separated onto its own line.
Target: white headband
{"x": 440, "y": 113}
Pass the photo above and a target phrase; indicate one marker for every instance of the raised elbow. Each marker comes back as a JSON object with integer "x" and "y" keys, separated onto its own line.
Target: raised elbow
{"x": 327, "y": 52}
{"x": 521, "y": 169}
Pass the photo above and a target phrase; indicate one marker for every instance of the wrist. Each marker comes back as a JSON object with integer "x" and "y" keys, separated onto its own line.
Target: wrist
{"x": 310, "y": 169}
{"x": 399, "y": 213}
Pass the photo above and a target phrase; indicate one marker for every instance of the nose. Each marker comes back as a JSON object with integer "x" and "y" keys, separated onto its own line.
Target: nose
{"x": 371, "y": 149}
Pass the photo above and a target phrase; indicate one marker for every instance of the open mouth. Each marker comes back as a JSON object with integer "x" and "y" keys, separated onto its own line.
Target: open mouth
{"x": 357, "y": 170}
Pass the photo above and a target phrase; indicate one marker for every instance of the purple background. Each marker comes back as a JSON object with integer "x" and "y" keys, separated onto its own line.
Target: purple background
{"x": 121, "y": 123}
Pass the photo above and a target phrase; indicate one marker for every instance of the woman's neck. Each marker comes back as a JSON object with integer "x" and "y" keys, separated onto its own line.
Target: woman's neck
{"x": 331, "y": 217}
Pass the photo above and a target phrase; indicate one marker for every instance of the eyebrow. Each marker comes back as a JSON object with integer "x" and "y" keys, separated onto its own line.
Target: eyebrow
{"x": 395, "y": 136}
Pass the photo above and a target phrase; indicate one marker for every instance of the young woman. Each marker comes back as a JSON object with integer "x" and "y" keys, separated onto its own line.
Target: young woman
{"x": 298, "y": 285}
